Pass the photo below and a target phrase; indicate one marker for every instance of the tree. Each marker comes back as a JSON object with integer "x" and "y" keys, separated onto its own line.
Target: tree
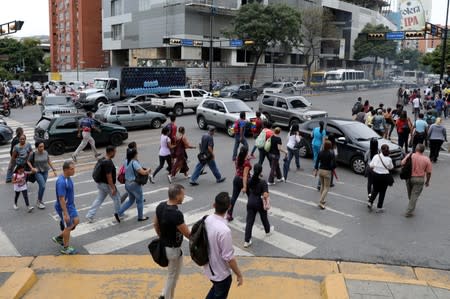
{"x": 433, "y": 59}
{"x": 410, "y": 58}
{"x": 374, "y": 48}
{"x": 266, "y": 26}
{"x": 316, "y": 24}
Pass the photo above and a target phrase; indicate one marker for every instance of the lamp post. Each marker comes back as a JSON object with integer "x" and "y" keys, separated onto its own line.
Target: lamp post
{"x": 444, "y": 46}
{"x": 211, "y": 49}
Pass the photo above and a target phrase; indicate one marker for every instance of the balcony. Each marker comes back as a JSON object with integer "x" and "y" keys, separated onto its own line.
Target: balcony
{"x": 220, "y": 7}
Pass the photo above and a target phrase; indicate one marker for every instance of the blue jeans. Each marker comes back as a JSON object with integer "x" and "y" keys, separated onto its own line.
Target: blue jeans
{"x": 237, "y": 141}
{"x": 291, "y": 154}
{"x": 199, "y": 167}
{"x": 220, "y": 289}
{"x": 103, "y": 191}
{"x": 9, "y": 173}
{"x": 134, "y": 194}
{"x": 41, "y": 179}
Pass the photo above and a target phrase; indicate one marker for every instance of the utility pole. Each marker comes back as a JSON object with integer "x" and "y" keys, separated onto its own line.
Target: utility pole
{"x": 211, "y": 49}
{"x": 444, "y": 46}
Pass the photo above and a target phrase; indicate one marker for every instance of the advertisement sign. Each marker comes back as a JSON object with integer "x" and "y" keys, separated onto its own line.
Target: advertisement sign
{"x": 414, "y": 14}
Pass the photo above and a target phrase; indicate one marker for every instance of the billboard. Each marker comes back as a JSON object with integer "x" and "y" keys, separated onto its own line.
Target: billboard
{"x": 414, "y": 14}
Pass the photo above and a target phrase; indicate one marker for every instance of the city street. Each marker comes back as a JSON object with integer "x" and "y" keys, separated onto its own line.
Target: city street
{"x": 346, "y": 230}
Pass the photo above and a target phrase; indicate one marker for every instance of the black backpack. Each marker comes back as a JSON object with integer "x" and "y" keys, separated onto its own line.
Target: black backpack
{"x": 406, "y": 170}
{"x": 356, "y": 108}
{"x": 198, "y": 243}
{"x": 97, "y": 172}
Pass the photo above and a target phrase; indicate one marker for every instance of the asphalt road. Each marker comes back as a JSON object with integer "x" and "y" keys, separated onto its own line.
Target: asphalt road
{"x": 344, "y": 231}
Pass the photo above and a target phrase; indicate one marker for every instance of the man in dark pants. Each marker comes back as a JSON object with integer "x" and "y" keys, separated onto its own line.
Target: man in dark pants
{"x": 420, "y": 131}
{"x": 221, "y": 252}
{"x": 239, "y": 133}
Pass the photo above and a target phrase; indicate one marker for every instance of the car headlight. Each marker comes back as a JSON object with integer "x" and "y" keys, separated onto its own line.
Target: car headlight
{"x": 307, "y": 117}
{"x": 46, "y": 136}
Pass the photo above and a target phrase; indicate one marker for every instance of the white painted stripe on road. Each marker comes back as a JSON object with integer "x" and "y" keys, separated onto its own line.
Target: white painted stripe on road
{"x": 309, "y": 203}
{"x": 302, "y": 222}
{"x": 279, "y": 240}
{"x": 6, "y": 246}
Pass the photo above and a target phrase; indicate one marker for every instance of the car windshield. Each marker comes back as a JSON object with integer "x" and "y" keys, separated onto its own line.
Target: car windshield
{"x": 276, "y": 85}
{"x": 333, "y": 77}
{"x": 230, "y": 88}
{"x": 237, "y": 106}
{"x": 100, "y": 84}
{"x": 56, "y": 101}
{"x": 298, "y": 103}
{"x": 101, "y": 110}
{"x": 43, "y": 124}
{"x": 360, "y": 131}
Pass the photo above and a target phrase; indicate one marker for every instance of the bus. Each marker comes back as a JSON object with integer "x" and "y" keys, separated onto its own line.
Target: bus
{"x": 317, "y": 79}
{"x": 345, "y": 77}
{"x": 413, "y": 77}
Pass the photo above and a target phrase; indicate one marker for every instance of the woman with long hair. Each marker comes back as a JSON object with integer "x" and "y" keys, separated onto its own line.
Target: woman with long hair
{"x": 274, "y": 154}
{"x": 293, "y": 149}
{"x": 381, "y": 164}
{"x": 258, "y": 202}
{"x": 371, "y": 152}
{"x": 324, "y": 167}
{"x": 180, "y": 155}
{"x": 165, "y": 154}
{"x": 243, "y": 167}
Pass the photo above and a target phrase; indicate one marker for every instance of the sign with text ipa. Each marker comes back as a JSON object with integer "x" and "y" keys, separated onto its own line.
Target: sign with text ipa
{"x": 414, "y": 13}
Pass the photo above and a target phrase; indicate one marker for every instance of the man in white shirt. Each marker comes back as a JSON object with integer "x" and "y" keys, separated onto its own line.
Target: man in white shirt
{"x": 416, "y": 107}
{"x": 221, "y": 252}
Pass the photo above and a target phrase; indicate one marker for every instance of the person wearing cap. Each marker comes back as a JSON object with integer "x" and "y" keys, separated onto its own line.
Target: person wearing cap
{"x": 207, "y": 151}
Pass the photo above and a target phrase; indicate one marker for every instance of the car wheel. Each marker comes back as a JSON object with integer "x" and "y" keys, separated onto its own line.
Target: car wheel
{"x": 7, "y": 112}
{"x": 178, "y": 109}
{"x": 358, "y": 165}
{"x": 99, "y": 103}
{"x": 201, "y": 121}
{"x": 116, "y": 139}
{"x": 57, "y": 148}
{"x": 230, "y": 129}
{"x": 156, "y": 123}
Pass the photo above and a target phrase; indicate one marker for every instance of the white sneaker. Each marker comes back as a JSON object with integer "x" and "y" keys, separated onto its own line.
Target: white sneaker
{"x": 248, "y": 244}
{"x": 150, "y": 178}
{"x": 380, "y": 210}
{"x": 272, "y": 229}
{"x": 16, "y": 207}
{"x": 270, "y": 184}
{"x": 40, "y": 205}
{"x": 30, "y": 209}
{"x": 281, "y": 180}
{"x": 169, "y": 177}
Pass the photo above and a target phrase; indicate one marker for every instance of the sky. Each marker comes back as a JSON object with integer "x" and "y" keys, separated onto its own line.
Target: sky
{"x": 35, "y": 15}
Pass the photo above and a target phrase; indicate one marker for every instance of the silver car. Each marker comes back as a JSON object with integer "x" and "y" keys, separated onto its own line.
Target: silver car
{"x": 130, "y": 116}
{"x": 280, "y": 87}
{"x": 222, "y": 113}
{"x": 57, "y": 104}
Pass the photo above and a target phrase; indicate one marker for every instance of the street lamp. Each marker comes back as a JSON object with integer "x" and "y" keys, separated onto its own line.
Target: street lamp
{"x": 444, "y": 47}
{"x": 10, "y": 27}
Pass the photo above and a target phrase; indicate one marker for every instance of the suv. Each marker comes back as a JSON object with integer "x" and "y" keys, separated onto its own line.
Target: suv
{"x": 286, "y": 110}
{"x": 129, "y": 116}
{"x": 222, "y": 113}
{"x": 280, "y": 87}
{"x": 57, "y": 104}
{"x": 60, "y": 132}
{"x": 180, "y": 99}
{"x": 242, "y": 92}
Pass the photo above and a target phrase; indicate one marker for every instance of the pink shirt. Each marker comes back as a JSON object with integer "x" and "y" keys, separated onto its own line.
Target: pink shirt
{"x": 220, "y": 248}
{"x": 421, "y": 165}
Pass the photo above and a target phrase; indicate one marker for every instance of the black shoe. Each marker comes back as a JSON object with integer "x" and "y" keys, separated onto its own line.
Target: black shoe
{"x": 8, "y": 181}
{"x": 222, "y": 179}
{"x": 117, "y": 217}
{"x": 193, "y": 183}
{"x": 203, "y": 172}
{"x": 144, "y": 219}
{"x": 161, "y": 297}
{"x": 332, "y": 185}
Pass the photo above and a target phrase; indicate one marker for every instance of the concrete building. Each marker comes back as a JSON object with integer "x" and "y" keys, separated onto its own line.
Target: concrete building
{"x": 75, "y": 35}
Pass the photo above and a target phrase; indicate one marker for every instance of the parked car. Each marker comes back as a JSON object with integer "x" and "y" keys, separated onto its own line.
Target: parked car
{"x": 77, "y": 85}
{"x": 129, "y": 115}
{"x": 285, "y": 110}
{"x": 242, "y": 92}
{"x": 6, "y": 133}
{"x": 57, "y": 104}
{"x": 299, "y": 85}
{"x": 260, "y": 89}
{"x": 222, "y": 113}
{"x": 352, "y": 141}
{"x": 280, "y": 87}
{"x": 144, "y": 100}
{"x": 180, "y": 99}
{"x": 59, "y": 133}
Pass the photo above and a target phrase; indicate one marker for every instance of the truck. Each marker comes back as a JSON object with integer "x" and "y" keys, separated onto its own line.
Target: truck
{"x": 180, "y": 99}
{"x": 131, "y": 81}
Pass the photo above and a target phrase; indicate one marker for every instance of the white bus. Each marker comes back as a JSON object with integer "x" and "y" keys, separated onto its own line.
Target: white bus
{"x": 344, "y": 77}
{"x": 413, "y": 77}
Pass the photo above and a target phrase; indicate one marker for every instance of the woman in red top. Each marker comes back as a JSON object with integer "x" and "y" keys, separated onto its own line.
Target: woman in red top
{"x": 404, "y": 128}
{"x": 180, "y": 164}
{"x": 243, "y": 167}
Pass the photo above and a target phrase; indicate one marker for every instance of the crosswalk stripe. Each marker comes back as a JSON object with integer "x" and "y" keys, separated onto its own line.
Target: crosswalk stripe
{"x": 6, "y": 246}
{"x": 302, "y": 222}
{"x": 279, "y": 240}
{"x": 309, "y": 203}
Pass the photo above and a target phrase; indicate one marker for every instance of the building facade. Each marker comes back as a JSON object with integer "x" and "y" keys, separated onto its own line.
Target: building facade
{"x": 75, "y": 35}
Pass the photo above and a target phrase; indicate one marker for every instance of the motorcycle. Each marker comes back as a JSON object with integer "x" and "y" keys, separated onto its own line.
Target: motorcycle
{"x": 4, "y": 109}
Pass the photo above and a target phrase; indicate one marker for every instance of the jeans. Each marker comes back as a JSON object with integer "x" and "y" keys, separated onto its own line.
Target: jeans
{"x": 274, "y": 168}
{"x": 291, "y": 154}
{"x": 237, "y": 141}
{"x": 316, "y": 150}
{"x": 237, "y": 187}
{"x": 25, "y": 197}
{"x": 103, "y": 191}
{"x": 134, "y": 194}
{"x": 163, "y": 159}
{"x": 41, "y": 179}
{"x": 435, "y": 147}
{"x": 325, "y": 181}
{"x": 10, "y": 171}
{"x": 379, "y": 188}
{"x": 414, "y": 186}
{"x": 252, "y": 210}
{"x": 175, "y": 257}
{"x": 87, "y": 138}
{"x": 369, "y": 181}
{"x": 199, "y": 167}
{"x": 220, "y": 289}
{"x": 403, "y": 140}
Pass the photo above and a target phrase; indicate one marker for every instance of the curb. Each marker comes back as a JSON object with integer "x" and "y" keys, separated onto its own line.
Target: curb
{"x": 334, "y": 287}
{"x": 18, "y": 284}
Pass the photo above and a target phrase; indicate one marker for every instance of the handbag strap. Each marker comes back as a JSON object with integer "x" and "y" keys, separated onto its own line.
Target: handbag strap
{"x": 379, "y": 156}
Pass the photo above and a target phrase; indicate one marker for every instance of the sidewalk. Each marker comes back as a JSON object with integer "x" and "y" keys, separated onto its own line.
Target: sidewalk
{"x": 129, "y": 276}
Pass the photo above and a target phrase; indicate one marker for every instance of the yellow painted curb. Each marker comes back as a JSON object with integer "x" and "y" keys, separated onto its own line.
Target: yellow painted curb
{"x": 334, "y": 287}
{"x": 384, "y": 279}
{"x": 18, "y": 284}
{"x": 378, "y": 270}
{"x": 13, "y": 263}
{"x": 434, "y": 277}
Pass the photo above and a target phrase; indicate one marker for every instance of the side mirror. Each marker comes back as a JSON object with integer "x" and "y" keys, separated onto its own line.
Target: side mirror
{"x": 342, "y": 139}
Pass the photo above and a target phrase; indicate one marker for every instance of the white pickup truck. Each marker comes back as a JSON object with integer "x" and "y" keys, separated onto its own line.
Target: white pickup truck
{"x": 180, "y": 99}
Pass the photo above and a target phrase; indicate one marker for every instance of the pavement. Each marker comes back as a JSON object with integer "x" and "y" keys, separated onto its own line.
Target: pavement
{"x": 137, "y": 276}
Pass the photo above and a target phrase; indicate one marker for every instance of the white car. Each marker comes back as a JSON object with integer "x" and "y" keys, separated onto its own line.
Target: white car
{"x": 179, "y": 100}
{"x": 280, "y": 87}
{"x": 299, "y": 85}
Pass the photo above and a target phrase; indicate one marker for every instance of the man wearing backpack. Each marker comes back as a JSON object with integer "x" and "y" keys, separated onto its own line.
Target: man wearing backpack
{"x": 357, "y": 107}
{"x": 239, "y": 133}
{"x": 104, "y": 175}
{"x": 170, "y": 226}
{"x": 221, "y": 252}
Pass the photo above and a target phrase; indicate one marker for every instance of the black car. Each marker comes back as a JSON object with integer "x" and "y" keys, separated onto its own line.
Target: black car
{"x": 242, "y": 92}
{"x": 6, "y": 133}
{"x": 60, "y": 133}
{"x": 352, "y": 141}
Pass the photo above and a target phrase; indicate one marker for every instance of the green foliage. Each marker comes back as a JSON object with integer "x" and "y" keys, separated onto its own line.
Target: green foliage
{"x": 267, "y": 26}
{"x": 411, "y": 55}
{"x": 21, "y": 53}
{"x": 433, "y": 59}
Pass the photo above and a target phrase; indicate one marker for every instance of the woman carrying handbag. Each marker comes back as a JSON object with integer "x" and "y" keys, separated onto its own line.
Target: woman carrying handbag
{"x": 381, "y": 164}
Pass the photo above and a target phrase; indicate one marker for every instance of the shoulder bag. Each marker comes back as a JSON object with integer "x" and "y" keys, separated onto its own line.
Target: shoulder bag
{"x": 406, "y": 170}
{"x": 139, "y": 178}
{"x": 157, "y": 250}
{"x": 389, "y": 177}
{"x": 32, "y": 176}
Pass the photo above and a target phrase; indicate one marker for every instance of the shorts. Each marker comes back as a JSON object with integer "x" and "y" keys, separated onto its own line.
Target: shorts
{"x": 72, "y": 215}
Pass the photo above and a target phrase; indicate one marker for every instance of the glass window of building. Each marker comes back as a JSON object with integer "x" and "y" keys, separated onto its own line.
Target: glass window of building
{"x": 116, "y": 7}
{"x": 145, "y": 4}
{"x": 116, "y": 31}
